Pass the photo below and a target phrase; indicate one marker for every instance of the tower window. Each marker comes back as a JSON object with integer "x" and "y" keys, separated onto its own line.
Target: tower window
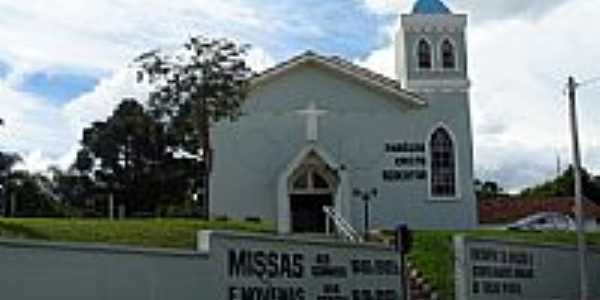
{"x": 424, "y": 54}
{"x": 443, "y": 171}
{"x": 448, "y": 55}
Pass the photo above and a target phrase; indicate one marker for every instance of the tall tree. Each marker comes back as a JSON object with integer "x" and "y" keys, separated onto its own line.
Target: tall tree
{"x": 74, "y": 189}
{"x": 30, "y": 195}
{"x": 204, "y": 83}
{"x": 129, "y": 151}
{"x": 7, "y": 162}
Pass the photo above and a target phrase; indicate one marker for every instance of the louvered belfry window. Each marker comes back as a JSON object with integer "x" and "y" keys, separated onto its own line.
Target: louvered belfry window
{"x": 424, "y": 54}
{"x": 448, "y": 55}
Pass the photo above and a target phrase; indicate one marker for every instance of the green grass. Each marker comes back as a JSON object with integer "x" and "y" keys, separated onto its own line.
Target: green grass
{"x": 433, "y": 255}
{"x": 159, "y": 233}
{"x": 433, "y": 251}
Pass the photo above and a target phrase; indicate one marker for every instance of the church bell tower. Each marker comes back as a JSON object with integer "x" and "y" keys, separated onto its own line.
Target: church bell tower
{"x": 431, "y": 49}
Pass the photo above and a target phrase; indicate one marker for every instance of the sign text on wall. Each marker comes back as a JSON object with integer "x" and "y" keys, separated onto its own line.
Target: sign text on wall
{"x": 500, "y": 271}
{"x": 408, "y": 162}
{"x": 295, "y": 270}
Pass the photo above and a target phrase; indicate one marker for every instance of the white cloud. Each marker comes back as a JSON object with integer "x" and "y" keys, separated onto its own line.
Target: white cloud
{"x": 519, "y": 68}
{"x": 259, "y": 60}
{"x": 35, "y": 129}
{"x": 30, "y": 122}
{"x": 97, "y": 37}
{"x": 102, "y": 35}
{"x": 480, "y": 11}
{"x": 49, "y": 134}
{"x": 388, "y": 6}
{"x": 99, "y": 103}
{"x": 519, "y": 60}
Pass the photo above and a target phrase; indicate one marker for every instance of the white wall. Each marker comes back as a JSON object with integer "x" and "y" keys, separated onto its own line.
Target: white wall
{"x": 252, "y": 152}
{"x": 491, "y": 269}
{"x": 65, "y": 271}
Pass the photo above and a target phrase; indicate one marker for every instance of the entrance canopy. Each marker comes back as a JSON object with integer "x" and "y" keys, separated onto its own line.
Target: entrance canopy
{"x": 310, "y": 182}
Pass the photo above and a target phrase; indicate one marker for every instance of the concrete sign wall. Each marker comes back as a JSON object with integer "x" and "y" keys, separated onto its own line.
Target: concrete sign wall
{"x": 268, "y": 267}
{"x": 490, "y": 269}
{"x": 38, "y": 271}
{"x": 227, "y": 266}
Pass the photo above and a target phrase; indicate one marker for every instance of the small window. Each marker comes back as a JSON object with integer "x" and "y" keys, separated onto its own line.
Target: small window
{"x": 424, "y": 54}
{"x": 448, "y": 55}
{"x": 311, "y": 180}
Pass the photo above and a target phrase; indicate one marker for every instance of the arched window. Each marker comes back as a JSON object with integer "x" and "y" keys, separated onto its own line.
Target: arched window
{"x": 313, "y": 176}
{"x": 448, "y": 55}
{"x": 443, "y": 165}
{"x": 424, "y": 54}
{"x": 311, "y": 181}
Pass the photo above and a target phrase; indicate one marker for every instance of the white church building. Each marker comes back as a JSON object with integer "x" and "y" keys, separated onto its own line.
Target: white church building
{"x": 319, "y": 131}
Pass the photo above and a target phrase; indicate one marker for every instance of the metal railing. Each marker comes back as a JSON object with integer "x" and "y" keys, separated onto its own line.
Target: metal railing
{"x": 341, "y": 225}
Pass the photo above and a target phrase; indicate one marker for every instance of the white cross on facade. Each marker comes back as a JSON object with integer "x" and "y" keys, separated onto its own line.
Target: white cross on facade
{"x": 312, "y": 121}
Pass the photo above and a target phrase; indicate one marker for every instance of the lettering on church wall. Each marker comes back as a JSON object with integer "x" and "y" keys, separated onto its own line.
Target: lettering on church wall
{"x": 407, "y": 162}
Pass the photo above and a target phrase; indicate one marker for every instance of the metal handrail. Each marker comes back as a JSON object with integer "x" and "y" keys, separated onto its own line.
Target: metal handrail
{"x": 341, "y": 224}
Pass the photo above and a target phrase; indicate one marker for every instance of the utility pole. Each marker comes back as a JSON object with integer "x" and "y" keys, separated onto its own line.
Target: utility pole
{"x": 581, "y": 244}
{"x": 558, "y": 165}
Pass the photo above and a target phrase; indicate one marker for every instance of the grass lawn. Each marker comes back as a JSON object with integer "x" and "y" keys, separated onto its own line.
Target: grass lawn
{"x": 163, "y": 233}
{"x": 433, "y": 251}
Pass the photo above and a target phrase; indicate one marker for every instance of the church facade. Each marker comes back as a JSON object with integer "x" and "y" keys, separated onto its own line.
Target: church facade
{"x": 321, "y": 131}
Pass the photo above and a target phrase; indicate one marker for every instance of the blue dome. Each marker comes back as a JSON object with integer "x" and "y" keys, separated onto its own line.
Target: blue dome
{"x": 430, "y": 7}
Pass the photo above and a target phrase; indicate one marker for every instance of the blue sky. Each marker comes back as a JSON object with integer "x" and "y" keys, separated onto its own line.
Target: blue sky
{"x": 4, "y": 69}
{"x": 340, "y": 27}
{"x": 346, "y": 28}
{"x": 58, "y": 87}
{"x": 61, "y": 69}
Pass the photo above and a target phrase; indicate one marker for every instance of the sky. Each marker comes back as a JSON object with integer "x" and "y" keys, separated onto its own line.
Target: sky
{"x": 66, "y": 63}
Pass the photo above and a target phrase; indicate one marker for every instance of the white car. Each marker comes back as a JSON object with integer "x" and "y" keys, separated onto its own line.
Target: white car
{"x": 544, "y": 221}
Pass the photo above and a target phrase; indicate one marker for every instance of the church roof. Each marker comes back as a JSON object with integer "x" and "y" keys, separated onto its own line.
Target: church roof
{"x": 430, "y": 7}
{"x": 345, "y": 67}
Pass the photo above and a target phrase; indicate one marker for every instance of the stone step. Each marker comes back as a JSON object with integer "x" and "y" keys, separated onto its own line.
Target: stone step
{"x": 418, "y": 287}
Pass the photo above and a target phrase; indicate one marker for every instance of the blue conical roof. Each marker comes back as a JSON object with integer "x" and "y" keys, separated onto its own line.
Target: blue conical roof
{"x": 430, "y": 7}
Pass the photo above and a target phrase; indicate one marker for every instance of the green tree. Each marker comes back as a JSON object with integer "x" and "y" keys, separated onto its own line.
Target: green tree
{"x": 7, "y": 163}
{"x": 563, "y": 186}
{"x": 29, "y": 195}
{"x": 74, "y": 189}
{"x": 204, "y": 83}
{"x": 129, "y": 152}
{"x": 488, "y": 189}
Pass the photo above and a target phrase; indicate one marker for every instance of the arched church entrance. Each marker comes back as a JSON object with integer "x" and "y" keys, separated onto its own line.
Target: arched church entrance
{"x": 311, "y": 187}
